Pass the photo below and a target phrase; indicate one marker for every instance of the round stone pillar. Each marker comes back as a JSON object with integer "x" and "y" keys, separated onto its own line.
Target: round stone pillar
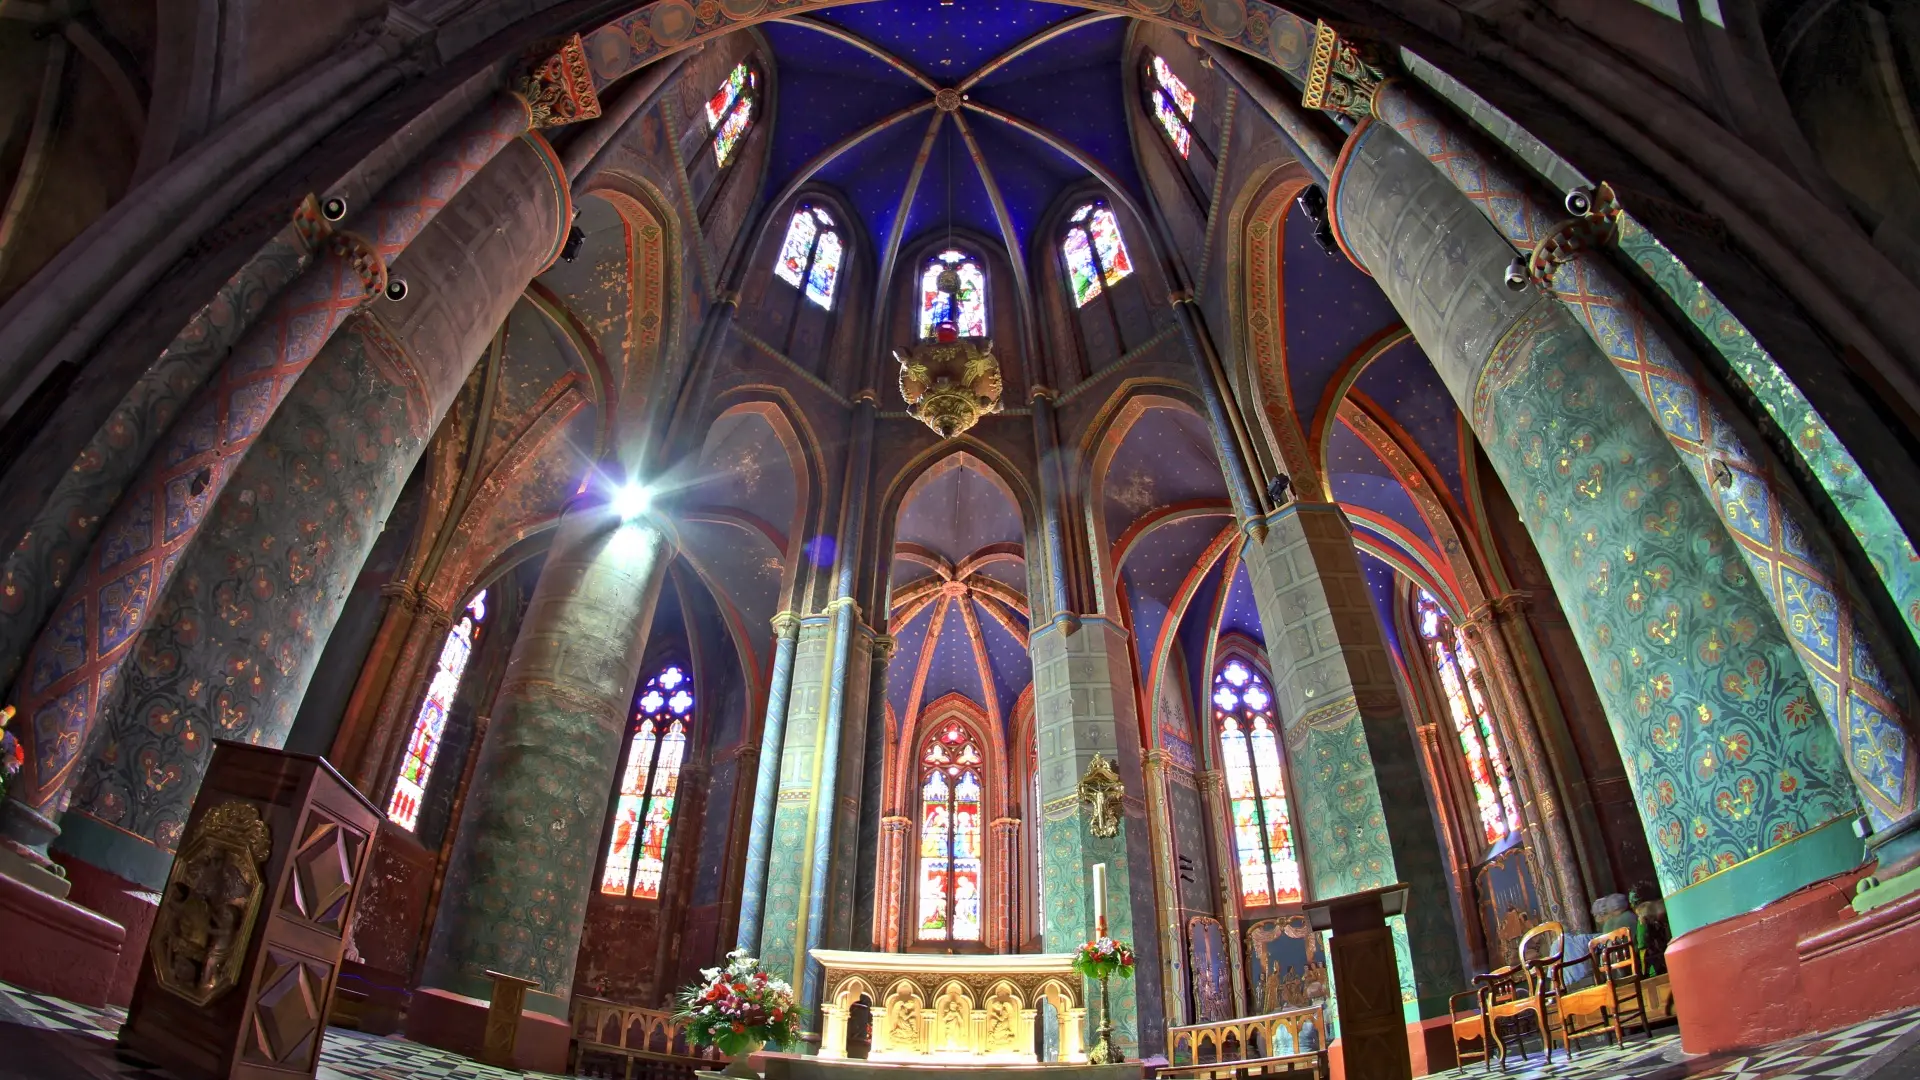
{"x": 529, "y": 837}
{"x": 228, "y": 651}
{"x": 1742, "y": 787}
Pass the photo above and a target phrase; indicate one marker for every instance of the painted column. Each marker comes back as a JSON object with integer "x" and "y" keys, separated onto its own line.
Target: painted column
{"x": 835, "y": 817}
{"x": 54, "y": 539}
{"x": 1743, "y": 788}
{"x": 1213, "y": 792}
{"x": 1046, "y": 445}
{"x": 873, "y": 799}
{"x": 1084, "y": 704}
{"x": 1857, "y": 677}
{"x": 228, "y": 650}
{"x": 421, "y": 624}
{"x": 529, "y": 837}
{"x": 782, "y": 934}
{"x": 892, "y": 881}
{"x": 1173, "y": 950}
{"x": 1542, "y": 805}
{"x": 1361, "y": 808}
{"x": 753, "y": 888}
{"x": 74, "y": 666}
{"x": 1230, "y": 439}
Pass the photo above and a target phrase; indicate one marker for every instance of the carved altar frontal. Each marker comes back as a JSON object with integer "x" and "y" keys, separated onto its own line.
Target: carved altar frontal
{"x": 929, "y": 1009}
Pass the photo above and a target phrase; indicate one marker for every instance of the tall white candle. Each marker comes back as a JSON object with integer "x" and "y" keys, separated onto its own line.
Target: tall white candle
{"x": 1099, "y": 896}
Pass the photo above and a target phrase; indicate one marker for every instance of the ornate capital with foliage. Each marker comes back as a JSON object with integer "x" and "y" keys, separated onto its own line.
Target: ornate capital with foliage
{"x": 559, "y": 89}
{"x": 1344, "y": 74}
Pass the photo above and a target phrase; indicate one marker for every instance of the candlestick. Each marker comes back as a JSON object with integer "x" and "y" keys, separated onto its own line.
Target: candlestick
{"x": 1099, "y": 899}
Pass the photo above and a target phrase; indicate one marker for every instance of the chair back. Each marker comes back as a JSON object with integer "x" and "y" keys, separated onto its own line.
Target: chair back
{"x": 1541, "y": 954}
{"x": 1614, "y": 957}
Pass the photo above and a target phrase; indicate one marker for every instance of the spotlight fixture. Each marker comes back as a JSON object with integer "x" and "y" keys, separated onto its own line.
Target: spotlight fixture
{"x": 397, "y": 289}
{"x": 632, "y": 500}
{"x": 334, "y": 208}
{"x": 576, "y": 237}
{"x": 1517, "y": 274}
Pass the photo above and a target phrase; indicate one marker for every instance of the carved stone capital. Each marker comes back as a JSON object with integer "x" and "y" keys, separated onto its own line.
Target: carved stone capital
{"x": 1211, "y": 781}
{"x": 883, "y": 647}
{"x": 559, "y": 89}
{"x": 786, "y": 624}
{"x": 1344, "y": 73}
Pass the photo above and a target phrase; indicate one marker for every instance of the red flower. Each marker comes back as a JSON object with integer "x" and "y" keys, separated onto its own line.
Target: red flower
{"x": 739, "y": 1028}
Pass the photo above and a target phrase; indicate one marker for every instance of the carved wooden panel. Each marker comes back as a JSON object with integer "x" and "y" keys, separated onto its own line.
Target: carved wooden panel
{"x": 271, "y": 1021}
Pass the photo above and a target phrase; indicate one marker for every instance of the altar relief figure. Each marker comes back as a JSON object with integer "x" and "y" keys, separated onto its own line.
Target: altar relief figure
{"x": 903, "y": 1019}
{"x": 1003, "y": 1015}
{"x": 954, "y": 1012}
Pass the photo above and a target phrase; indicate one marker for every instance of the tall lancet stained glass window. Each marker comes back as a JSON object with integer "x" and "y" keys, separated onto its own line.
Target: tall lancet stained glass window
{"x": 966, "y": 309}
{"x": 730, "y": 110}
{"x": 430, "y": 724}
{"x": 1094, "y": 251}
{"x": 1172, "y": 105}
{"x": 1460, "y": 685}
{"x": 811, "y": 255}
{"x": 950, "y": 841}
{"x": 643, "y": 808}
{"x": 1256, "y": 786}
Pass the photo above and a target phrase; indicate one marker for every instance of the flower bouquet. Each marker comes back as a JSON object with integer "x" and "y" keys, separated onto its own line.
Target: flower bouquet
{"x": 736, "y": 1009}
{"x": 1104, "y": 958}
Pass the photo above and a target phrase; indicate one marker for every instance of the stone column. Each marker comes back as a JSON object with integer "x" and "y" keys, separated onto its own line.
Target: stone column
{"x": 1213, "y": 794}
{"x": 1539, "y": 788}
{"x": 873, "y": 798}
{"x": 426, "y": 634}
{"x": 1053, "y": 523}
{"x": 1743, "y": 788}
{"x": 753, "y": 888}
{"x": 1857, "y": 676}
{"x": 1084, "y": 704}
{"x": 890, "y": 881}
{"x": 1230, "y": 438}
{"x": 781, "y": 929}
{"x": 1361, "y": 808}
{"x": 529, "y": 836}
{"x": 834, "y": 825}
{"x": 1178, "y": 977}
{"x": 229, "y": 648}
{"x": 118, "y": 589}
{"x": 1005, "y": 834}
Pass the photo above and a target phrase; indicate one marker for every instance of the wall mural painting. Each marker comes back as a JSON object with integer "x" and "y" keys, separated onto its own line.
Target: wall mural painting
{"x": 1286, "y": 965}
{"x": 1212, "y": 981}
{"x": 1509, "y": 903}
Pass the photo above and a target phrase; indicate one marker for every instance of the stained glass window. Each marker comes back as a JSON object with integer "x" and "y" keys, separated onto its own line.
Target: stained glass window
{"x": 1094, "y": 252}
{"x": 966, "y": 309}
{"x": 430, "y": 724}
{"x": 811, "y": 254}
{"x": 1172, "y": 105}
{"x": 1460, "y": 685}
{"x": 730, "y": 111}
{"x": 643, "y": 807}
{"x": 950, "y": 837}
{"x": 1256, "y": 786}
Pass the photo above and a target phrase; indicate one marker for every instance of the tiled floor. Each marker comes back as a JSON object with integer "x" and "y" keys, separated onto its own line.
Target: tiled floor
{"x": 43, "y": 1038}
{"x": 74, "y": 1041}
{"x": 1854, "y": 1053}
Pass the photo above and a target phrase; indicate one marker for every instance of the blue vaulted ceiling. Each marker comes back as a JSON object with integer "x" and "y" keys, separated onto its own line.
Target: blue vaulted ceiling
{"x": 830, "y": 90}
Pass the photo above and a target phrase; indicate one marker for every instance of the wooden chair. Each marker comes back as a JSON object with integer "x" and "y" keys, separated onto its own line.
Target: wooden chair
{"x": 1471, "y": 1042}
{"x": 1523, "y": 996}
{"x": 1616, "y": 1000}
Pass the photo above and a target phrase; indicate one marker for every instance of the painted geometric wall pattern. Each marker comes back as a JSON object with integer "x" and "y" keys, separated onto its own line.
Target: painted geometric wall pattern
{"x": 1831, "y": 632}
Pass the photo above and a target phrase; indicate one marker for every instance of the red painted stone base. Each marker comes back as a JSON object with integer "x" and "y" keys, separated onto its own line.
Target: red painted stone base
{"x": 124, "y": 902}
{"x": 1429, "y": 1042}
{"x": 1801, "y": 964}
{"x": 457, "y": 1023}
{"x": 56, "y": 946}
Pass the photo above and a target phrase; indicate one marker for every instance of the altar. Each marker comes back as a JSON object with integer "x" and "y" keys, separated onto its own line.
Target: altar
{"x": 929, "y": 1009}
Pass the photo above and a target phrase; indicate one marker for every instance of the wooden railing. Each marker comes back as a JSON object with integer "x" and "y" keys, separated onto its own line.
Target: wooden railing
{"x": 627, "y": 1042}
{"x": 1249, "y": 1046}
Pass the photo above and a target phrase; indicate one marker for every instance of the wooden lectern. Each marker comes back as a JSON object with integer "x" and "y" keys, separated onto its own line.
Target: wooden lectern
{"x": 252, "y": 924}
{"x": 1366, "y": 981}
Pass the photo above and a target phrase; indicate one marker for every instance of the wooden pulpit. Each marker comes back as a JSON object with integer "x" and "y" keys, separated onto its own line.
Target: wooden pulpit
{"x": 252, "y": 924}
{"x": 1366, "y": 981}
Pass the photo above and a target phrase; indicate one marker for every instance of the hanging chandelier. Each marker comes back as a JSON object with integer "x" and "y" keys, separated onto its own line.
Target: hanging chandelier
{"x": 949, "y": 382}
